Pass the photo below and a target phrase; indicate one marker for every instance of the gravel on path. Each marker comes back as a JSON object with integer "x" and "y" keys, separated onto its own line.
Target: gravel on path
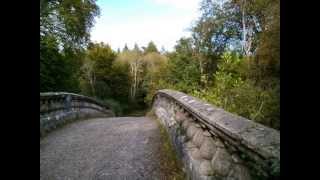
{"x": 103, "y": 148}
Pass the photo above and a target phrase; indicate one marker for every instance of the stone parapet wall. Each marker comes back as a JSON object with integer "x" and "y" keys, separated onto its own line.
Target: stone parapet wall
{"x": 215, "y": 144}
{"x": 59, "y": 108}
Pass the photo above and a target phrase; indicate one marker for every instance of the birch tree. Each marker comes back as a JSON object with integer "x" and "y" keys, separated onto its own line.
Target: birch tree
{"x": 135, "y": 62}
{"x": 89, "y": 74}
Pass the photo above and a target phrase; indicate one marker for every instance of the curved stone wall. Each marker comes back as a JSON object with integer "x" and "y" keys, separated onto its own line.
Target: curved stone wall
{"x": 59, "y": 108}
{"x": 215, "y": 144}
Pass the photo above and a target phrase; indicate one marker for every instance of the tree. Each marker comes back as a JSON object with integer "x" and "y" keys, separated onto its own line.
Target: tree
{"x": 214, "y": 32}
{"x": 136, "y": 48}
{"x": 156, "y": 66}
{"x": 89, "y": 75}
{"x": 69, "y": 21}
{"x": 183, "y": 67}
{"x": 64, "y": 33}
{"x": 235, "y": 47}
{"x": 134, "y": 60}
{"x": 50, "y": 65}
{"x": 267, "y": 60}
{"x": 97, "y": 69}
{"x": 125, "y": 49}
{"x": 120, "y": 82}
{"x": 151, "y": 48}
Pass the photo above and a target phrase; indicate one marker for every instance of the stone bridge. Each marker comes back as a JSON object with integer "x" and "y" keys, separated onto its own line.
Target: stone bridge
{"x": 210, "y": 142}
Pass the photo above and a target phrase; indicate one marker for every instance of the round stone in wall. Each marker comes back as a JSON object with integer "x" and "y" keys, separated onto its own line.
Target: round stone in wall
{"x": 190, "y": 145}
{"x": 192, "y": 129}
{"x": 219, "y": 143}
{"x": 185, "y": 124}
{"x": 239, "y": 172}
{"x": 208, "y": 148}
{"x": 180, "y": 116}
{"x": 198, "y": 138}
{"x": 221, "y": 162}
{"x": 195, "y": 153}
{"x": 205, "y": 168}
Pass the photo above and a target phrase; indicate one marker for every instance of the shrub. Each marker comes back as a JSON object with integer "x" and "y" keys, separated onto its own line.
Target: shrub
{"x": 115, "y": 106}
{"x": 236, "y": 93}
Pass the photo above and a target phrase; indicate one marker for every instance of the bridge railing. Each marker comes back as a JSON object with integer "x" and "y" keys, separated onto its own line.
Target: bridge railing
{"x": 58, "y": 108}
{"x": 213, "y": 143}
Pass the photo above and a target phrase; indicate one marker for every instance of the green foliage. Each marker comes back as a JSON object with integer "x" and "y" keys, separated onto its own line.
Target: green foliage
{"x": 171, "y": 165}
{"x": 64, "y": 32}
{"x": 248, "y": 83}
{"x": 156, "y": 65}
{"x": 133, "y": 60}
{"x": 183, "y": 68}
{"x": 120, "y": 82}
{"x": 103, "y": 56}
{"x": 58, "y": 70}
{"x": 144, "y": 73}
{"x": 125, "y": 49}
{"x": 50, "y": 61}
{"x": 69, "y": 21}
{"x": 234, "y": 93}
{"x": 151, "y": 48}
{"x": 115, "y": 106}
{"x": 232, "y": 59}
{"x": 103, "y": 76}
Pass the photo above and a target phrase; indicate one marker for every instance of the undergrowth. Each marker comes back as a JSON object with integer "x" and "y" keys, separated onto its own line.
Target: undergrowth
{"x": 171, "y": 165}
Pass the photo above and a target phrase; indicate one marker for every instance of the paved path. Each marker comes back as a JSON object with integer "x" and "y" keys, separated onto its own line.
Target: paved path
{"x": 104, "y": 148}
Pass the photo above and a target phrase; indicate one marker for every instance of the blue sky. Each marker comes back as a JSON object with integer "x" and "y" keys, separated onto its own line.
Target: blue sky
{"x": 140, "y": 21}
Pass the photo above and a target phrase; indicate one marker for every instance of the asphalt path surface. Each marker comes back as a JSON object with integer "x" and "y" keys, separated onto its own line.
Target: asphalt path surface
{"x": 102, "y": 148}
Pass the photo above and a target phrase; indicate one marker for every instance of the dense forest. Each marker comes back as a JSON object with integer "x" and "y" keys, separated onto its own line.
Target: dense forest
{"x": 232, "y": 59}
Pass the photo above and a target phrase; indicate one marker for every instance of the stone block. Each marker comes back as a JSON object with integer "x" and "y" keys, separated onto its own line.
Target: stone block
{"x": 195, "y": 153}
{"x": 205, "y": 168}
{"x": 192, "y": 129}
{"x": 206, "y": 133}
{"x": 208, "y": 148}
{"x": 185, "y": 124}
{"x": 239, "y": 172}
{"x": 219, "y": 143}
{"x": 190, "y": 145}
{"x": 179, "y": 117}
{"x": 229, "y": 135}
{"x": 221, "y": 162}
{"x": 198, "y": 138}
{"x": 64, "y": 108}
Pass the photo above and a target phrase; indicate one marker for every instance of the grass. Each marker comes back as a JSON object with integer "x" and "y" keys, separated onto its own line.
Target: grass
{"x": 171, "y": 165}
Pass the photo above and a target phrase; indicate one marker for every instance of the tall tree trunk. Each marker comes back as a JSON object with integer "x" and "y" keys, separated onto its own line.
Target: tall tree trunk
{"x": 244, "y": 30}
{"x": 132, "y": 83}
{"x": 247, "y": 31}
{"x": 202, "y": 80}
{"x": 135, "y": 79}
{"x": 92, "y": 82}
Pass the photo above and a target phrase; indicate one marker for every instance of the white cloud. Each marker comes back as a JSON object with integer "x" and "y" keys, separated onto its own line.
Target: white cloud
{"x": 164, "y": 29}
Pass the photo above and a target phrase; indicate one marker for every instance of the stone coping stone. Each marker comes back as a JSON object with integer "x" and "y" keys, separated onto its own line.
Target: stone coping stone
{"x": 52, "y": 95}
